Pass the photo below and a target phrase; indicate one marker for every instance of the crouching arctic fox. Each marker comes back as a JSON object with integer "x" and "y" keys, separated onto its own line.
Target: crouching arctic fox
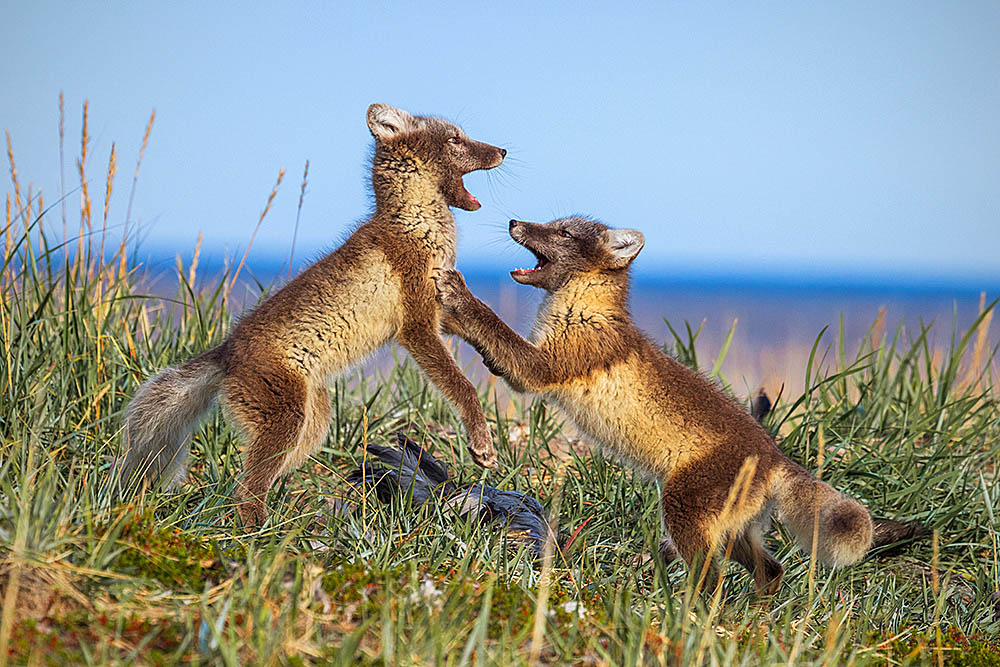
{"x": 720, "y": 472}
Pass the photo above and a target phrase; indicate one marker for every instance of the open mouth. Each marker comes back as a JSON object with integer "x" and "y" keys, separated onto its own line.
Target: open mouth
{"x": 462, "y": 198}
{"x": 469, "y": 197}
{"x": 542, "y": 263}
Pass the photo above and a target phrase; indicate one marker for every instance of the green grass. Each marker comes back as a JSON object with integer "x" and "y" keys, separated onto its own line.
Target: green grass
{"x": 912, "y": 431}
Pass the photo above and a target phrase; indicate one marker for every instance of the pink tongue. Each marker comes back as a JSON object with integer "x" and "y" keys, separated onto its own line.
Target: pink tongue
{"x": 522, "y": 272}
{"x": 472, "y": 197}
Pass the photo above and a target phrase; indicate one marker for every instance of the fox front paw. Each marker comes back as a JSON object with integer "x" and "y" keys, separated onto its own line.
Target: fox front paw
{"x": 481, "y": 449}
{"x": 452, "y": 291}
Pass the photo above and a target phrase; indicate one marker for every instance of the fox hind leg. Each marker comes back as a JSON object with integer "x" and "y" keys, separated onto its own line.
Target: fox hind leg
{"x": 687, "y": 538}
{"x": 750, "y": 552}
{"x": 314, "y": 429}
{"x": 272, "y": 408}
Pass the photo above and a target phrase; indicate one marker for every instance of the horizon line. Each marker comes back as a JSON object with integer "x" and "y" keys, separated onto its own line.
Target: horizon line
{"x": 680, "y": 275}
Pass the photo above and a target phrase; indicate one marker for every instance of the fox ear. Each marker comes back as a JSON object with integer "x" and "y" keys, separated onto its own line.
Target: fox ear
{"x": 624, "y": 245}
{"x": 386, "y": 122}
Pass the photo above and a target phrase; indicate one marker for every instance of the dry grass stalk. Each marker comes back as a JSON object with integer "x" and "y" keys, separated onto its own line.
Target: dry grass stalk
{"x": 8, "y": 242}
{"x": 84, "y": 194}
{"x": 122, "y": 255}
{"x": 131, "y": 194}
{"x": 878, "y": 329}
{"x": 81, "y": 165}
{"x": 267, "y": 207}
{"x": 832, "y": 634}
{"x": 7, "y": 324}
{"x": 138, "y": 165}
{"x": 193, "y": 269}
{"x": 100, "y": 312}
{"x": 545, "y": 577}
{"x": 735, "y": 502}
{"x": 298, "y": 214}
{"x": 16, "y": 562}
{"x": 108, "y": 188}
{"x": 13, "y": 173}
{"x": 977, "y": 365}
{"x": 26, "y": 212}
{"x": 800, "y": 635}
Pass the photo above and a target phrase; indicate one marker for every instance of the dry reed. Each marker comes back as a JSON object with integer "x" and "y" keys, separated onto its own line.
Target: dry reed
{"x": 977, "y": 364}
{"x": 298, "y": 215}
{"x": 267, "y": 207}
{"x": 545, "y": 577}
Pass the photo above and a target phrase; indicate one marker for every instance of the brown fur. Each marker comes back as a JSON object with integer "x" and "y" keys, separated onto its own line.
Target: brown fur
{"x": 585, "y": 354}
{"x": 272, "y": 369}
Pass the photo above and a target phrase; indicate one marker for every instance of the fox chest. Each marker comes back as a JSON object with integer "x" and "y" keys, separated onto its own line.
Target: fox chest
{"x": 433, "y": 238}
{"x": 619, "y": 410}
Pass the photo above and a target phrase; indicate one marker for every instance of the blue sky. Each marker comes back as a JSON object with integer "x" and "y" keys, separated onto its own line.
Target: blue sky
{"x": 771, "y": 139}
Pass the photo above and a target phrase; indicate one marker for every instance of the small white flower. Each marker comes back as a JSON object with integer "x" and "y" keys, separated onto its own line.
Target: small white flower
{"x": 428, "y": 593}
{"x": 429, "y": 590}
{"x": 573, "y": 605}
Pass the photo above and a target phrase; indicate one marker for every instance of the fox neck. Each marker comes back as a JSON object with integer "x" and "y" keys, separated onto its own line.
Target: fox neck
{"x": 586, "y": 302}
{"x": 404, "y": 187}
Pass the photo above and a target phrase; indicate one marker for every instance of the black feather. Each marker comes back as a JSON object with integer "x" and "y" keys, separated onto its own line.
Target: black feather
{"x": 409, "y": 468}
{"x": 522, "y": 515}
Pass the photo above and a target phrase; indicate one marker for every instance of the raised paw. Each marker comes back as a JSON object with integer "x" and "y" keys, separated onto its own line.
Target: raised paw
{"x": 481, "y": 448}
{"x": 451, "y": 288}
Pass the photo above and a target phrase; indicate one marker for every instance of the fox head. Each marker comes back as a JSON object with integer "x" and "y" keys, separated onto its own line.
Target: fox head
{"x": 571, "y": 247}
{"x": 431, "y": 147}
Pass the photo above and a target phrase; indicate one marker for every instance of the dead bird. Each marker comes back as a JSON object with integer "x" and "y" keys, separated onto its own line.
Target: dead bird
{"x": 408, "y": 470}
{"x": 524, "y": 516}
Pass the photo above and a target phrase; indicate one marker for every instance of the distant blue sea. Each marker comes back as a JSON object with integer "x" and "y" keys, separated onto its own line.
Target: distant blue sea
{"x": 768, "y": 312}
{"x": 777, "y": 319}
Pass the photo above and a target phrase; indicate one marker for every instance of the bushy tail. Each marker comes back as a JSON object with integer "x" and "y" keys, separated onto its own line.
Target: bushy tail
{"x": 843, "y": 526}
{"x": 161, "y": 416}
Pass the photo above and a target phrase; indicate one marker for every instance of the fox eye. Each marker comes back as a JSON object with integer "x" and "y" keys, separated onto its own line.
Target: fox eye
{"x": 566, "y": 235}
{"x": 453, "y": 140}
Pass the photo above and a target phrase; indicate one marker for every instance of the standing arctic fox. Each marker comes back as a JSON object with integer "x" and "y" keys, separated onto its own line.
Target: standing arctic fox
{"x": 272, "y": 369}
{"x": 629, "y": 397}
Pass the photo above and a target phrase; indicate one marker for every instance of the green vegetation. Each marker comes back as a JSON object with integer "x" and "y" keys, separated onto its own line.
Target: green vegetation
{"x": 912, "y": 431}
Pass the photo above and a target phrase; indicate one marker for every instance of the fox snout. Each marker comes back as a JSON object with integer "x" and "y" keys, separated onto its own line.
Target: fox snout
{"x": 517, "y": 229}
{"x": 527, "y": 232}
{"x": 490, "y": 156}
